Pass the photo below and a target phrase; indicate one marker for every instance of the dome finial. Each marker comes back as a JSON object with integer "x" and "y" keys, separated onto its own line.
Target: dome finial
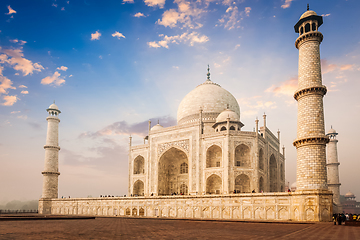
{"x": 54, "y": 101}
{"x": 307, "y": 7}
{"x": 208, "y": 73}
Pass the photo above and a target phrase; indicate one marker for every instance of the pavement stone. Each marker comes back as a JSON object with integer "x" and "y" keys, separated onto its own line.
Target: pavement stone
{"x": 141, "y": 228}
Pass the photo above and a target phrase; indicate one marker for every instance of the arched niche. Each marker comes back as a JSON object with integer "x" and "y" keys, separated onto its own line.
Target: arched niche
{"x": 242, "y": 184}
{"x": 261, "y": 159}
{"x": 139, "y": 165}
{"x": 261, "y": 184}
{"x": 169, "y": 176}
{"x": 273, "y": 173}
{"x": 213, "y": 156}
{"x": 242, "y": 156}
{"x": 184, "y": 189}
{"x": 138, "y": 188}
{"x": 213, "y": 184}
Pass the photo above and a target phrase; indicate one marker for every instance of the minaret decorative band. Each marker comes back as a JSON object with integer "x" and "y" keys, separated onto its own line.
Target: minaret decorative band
{"x": 311, "y": 140}
{"x": 51, "y": 167}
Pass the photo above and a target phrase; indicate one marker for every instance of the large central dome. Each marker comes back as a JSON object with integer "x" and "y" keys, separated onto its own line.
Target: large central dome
{"x": 211, "y": 98}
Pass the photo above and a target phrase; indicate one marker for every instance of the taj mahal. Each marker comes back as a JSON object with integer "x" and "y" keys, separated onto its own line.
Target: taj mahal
{"x": 207, "y": 167}
{"x": 207, "y": 152}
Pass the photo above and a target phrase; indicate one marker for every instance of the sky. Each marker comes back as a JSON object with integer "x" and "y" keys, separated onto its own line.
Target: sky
{"x": 113, "y": 65}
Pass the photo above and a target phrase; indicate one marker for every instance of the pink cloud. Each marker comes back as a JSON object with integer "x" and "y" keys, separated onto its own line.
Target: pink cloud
{"x": 55, "y": 79}
{"x": 11, "y": 11}
{"x": 5, "y": 84}
{"x": 154, "y": 3}
{"x": 139, "y": 14}
{"x": 15, "y": 58}
{"x": 286, "y": 88}
{"x": 9, "y": 100}
{"x": 286, "y": 4}
{"x": 326, "y": 67}
{"x": 95, "y": 36}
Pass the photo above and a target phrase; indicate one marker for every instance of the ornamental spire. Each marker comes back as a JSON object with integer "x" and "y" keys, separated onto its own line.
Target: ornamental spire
{"x": 208, "y": 73}
{"x": 307, "y": 7}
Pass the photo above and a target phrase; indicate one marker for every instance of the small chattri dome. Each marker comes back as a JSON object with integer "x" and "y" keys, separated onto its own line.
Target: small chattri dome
{"x": 349, "y": 195}
{"x": 332, "y": 131}
{"x": 156, "y": 127}
{"x": 308, "y": 13}
{"x": 53, "y": 107}
{"x": 227, "y": 113}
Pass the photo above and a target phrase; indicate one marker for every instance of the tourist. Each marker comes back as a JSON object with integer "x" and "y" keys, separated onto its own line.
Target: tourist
{"x": 335, "y": 216}
{"x": 339, "y": 219}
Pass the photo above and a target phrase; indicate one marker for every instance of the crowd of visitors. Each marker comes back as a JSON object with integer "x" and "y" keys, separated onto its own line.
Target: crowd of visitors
{"x": 340, "y": 218}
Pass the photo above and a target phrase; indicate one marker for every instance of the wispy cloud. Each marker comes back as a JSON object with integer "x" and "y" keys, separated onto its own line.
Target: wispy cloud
{"x": 21, "y": 42}
{"x": 190, "y": 38}
{"x": 247, "y": 11}
{"x": 118, "y": 35}
{"x": 285, "y": 88}
{"x": 62, "y": 68}
{"x": 139, "y": 14}
{"x": 233, "y": 17}
{"x": 183, "y": 16}
{"x": 54, "y": 79}
{"x": 22, "y": 86}
{"x": 128, "y": 1}
{"x": 326, "y": 15}
{"x": 24, "y": 117}
{"x": 5, "y": 84}
{"x": 11, "y": 11}
{"x": 15, "y": 58}
{"x": 251, "y": 106}
{"x": 286, "y": 4}
{"x": 327, "y": 67}
{"x": 9, "y": 100}
{"x": 154, "y": 3}
{"x": 124, "y": 128}
{"x": 95, "y": 36}
{"x": 24, "y": 92}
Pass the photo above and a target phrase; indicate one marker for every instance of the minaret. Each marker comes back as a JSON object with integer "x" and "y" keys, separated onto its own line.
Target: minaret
{"x": 311, "y": 140}
{"x": 51, "y": 169}
{"x": 333, "y": 169}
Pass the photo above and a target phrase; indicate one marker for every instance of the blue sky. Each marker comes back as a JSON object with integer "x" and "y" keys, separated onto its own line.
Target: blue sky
{"x": 112, "y": 65}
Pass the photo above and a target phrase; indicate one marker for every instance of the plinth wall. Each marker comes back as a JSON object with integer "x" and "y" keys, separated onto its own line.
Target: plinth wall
{"x": 296, "y": 206}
